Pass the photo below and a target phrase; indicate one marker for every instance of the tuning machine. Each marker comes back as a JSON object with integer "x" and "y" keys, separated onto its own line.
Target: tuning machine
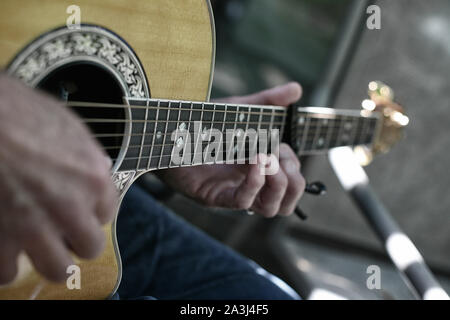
{"x": 390, "y": 128}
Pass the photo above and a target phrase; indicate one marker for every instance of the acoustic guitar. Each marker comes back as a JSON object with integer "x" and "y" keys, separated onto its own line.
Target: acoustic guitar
{"x": 137, "y": 71}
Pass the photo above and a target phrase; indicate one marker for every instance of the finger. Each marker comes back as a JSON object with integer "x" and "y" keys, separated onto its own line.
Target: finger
{"x": 47, "y": 251}
{"x": 8, "y": 259}
{"x": 105, "y": 191}
{"x": 282, "y": 96}
{"x": 80, "y": 228}
{"x": 272, "y": 193}
{"x": 243, "y": 196}
{"x": 107, "y": 204}
{"x": 290, "y": 165}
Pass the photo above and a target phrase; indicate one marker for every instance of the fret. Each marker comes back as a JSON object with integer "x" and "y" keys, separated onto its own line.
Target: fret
{"x": 197, "y": 115}
{"x": 335, "y": 131}
{"x": 339, "y": 140}
{"x": 313, "y": 125}
{"x": 363, "y": 128}
{"x": 132, "y": 155}
{"x": 322, "y": 135}
{"x": 354, "y": 134}
{"x": 221, "y": 151}
{"x": 191, "y": 107}
{"x": 176, "y": 138}
{"x": 265, "y": 127}
{"x": 270, "y": 133}
{"x": 248, "y": 119}
{"x": 143, "y": 137}
{"x": 279, "y": 118}
{"x": 159, "y": 137}
{"x": 234, "y": 144}
{"x": 164, "y": 137}
{"x": 349, "y": 128}
{"x": 359, "y": 131}
{"x": 229, "y": 130}
{"x": 329, "y": 134}
{"x": 240, "y": 133}
{"x": 153, "y": 136}
{"x": 305, "y": 133}
{"x": 317, "y": 130}
{"x": 213, "y": 120}
{"x": 246, "y": 144}
{"x": 208, "y": 118}
{"x": 171, "y": 127}
{"x": 254, "y": 123}
{"x": 373, "y": 125}
{"x": 283, "y": 124}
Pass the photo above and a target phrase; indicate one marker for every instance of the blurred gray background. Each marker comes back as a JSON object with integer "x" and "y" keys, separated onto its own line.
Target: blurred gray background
{"x": 261, "y": 43}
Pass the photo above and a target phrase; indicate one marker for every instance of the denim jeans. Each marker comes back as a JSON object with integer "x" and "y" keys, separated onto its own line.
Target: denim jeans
{"x": 164, "y": 257}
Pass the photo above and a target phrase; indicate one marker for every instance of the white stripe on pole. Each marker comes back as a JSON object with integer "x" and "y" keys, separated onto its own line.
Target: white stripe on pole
{"x": 347, "y": 168}
{"x": 435, "y": 294}
{"x": 323, "y": 294}
{"x": 402, "y": 251}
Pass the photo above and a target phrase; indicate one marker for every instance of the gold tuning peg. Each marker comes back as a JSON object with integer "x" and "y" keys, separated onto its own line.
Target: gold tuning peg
{"x": 392, "y": 122}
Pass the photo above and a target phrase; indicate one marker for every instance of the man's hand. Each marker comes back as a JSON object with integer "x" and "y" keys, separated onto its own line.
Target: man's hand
{"x": 243, "y": 186}
{"x": 55, "y": 186}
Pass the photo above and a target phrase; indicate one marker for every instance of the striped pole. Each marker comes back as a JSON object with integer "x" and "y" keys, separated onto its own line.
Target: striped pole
{"x": 399, "y": 247}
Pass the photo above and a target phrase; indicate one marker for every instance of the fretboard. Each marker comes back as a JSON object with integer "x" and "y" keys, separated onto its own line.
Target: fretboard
{"x": 316, "y": 130}
{"x": 158, "y": 129}
{"x": 151, "y": 130}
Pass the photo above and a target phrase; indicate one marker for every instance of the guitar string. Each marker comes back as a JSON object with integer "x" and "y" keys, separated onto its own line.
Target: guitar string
{"x": 237, "y": 106}
{"x": 193, "y": 154}
{"x": 240, "y": 107}
{"x": 299, "y": 135}
{"x": 361, "y": 135}
{"x": 308, "y": 136}
{"x": 312, "y": 147}
{"x": 181, "y": 109}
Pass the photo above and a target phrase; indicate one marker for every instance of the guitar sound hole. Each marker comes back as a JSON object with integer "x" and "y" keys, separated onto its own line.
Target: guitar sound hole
{"x": 84, "y": 82}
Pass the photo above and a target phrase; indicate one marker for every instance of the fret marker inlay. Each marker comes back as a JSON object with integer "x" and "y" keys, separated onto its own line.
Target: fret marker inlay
{"x": 348, "y": 125}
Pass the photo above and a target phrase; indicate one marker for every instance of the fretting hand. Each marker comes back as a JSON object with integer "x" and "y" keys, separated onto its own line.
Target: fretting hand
{"x": 243, "y": 186}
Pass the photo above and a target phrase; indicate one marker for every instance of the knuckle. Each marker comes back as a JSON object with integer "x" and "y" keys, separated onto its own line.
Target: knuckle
{"x": 29, "y": 234}
{"x": 55, "y": 271}
{"x": 268, "y": 212}
{"x": 297, "y": 187}
{"x": 87, "y": 240}
{"x": 91, "y": 249}
{"x": 98, "y": 181}
{"x": 282, "y": 181}
{"x": 301, "y": 183}
{"x": 256, "y": 182}
{"x": 243, "y": 203}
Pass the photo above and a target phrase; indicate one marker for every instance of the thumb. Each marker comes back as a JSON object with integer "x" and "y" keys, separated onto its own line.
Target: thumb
{"x": 283, "y": 95}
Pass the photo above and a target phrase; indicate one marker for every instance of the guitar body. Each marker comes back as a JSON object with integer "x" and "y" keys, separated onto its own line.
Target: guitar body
{"x": 134, "y": 50}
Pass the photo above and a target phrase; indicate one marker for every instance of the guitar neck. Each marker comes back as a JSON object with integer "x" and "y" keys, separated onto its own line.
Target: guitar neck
{"x": 155, "y": 128}
{"x": 163, "y": 123}
{"x": 316, "y": 130}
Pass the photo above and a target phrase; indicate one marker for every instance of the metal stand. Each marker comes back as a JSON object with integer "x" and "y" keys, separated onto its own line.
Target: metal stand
{"x": 399, "y": 247}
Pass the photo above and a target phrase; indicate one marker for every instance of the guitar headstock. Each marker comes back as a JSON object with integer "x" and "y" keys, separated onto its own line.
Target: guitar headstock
{"x": 393, "y": 121}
